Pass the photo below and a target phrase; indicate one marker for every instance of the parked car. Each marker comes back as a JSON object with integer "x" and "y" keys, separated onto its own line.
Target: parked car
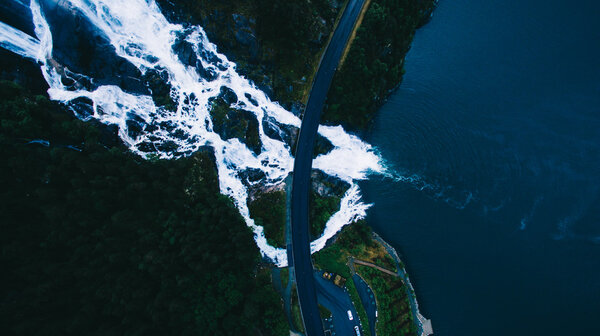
{"x": 350, "y": 317}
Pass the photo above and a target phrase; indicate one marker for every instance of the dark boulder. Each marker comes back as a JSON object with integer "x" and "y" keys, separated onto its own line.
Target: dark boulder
{"x": 322, "y": 146}
{"x": 285, "y": 133}
{"x": 79, "y": 46}
{"x": 328, "y": 186}
{"x": 228, "y": 96}
{"x": 237, "y": 123}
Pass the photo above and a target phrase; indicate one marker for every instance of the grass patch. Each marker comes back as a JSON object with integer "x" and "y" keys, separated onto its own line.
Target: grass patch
{"x": 354, "y": 240}
{"x": 284, "y": 273}
{"x": 360, "y": 309}
{"x": 332, "y": 260}
{"x": 296, "y": 315}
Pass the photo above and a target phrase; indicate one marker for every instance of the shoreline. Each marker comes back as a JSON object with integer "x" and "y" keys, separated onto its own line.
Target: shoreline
{"x": 425, "y": 326}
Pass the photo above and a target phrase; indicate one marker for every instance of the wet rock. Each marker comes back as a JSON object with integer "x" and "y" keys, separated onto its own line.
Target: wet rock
{"x": 328, "y": 186}
{"x": 17, "y": 14}
{"x": 252, "y": 100}
{"x": 80, "y": 47}
{"x": 167, "y": 126}
{"x": 297, "y": 109}
{"x": 83, "y": 106}
{"x": 184, "y": 51}
{"x": 206, "y": 73}
{"x": 180, "y": 134}
{"x": 209, "y": 57}
{"x": 257, "y": 190}
{"x": 227, "y": 95}
{"x": 285, "y": 133}
{"x": 134, "y": 128}
{"x": 187, "y": 55}
{"x": 23, "y": 71}
{"x": 322, "y": 146}
{"x": 252, "y": 175}
{"x": 167, "y": 147}
{"x": 158, "y": 82}
{"x": 146, "y": 147}
{"x": 232, "y": 123}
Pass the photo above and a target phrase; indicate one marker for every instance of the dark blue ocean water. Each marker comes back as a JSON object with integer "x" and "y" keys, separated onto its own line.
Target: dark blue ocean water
{"x": 498, "y": 118}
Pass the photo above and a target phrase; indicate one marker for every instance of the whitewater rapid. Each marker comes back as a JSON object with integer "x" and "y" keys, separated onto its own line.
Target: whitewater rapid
{"x": 141, "y": 34}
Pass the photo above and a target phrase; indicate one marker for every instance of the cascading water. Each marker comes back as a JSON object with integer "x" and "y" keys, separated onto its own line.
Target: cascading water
{"x": 139, "y": 33}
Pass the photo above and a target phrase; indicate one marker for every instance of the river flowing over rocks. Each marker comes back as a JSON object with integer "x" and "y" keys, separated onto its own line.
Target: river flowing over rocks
{"x": 122, "y": 63}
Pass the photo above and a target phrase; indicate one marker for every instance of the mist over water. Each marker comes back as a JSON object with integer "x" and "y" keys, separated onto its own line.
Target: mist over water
{"x": 122, "y": 41}
{"x": 498, "y": 119}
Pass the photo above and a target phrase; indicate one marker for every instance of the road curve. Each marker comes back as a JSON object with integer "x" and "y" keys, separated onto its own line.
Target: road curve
{"x": 299, "y": 252}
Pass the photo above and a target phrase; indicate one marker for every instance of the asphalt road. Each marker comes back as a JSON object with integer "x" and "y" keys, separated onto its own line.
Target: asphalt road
{"x": 338, "y": 302}
{"x": 299, "y": 253}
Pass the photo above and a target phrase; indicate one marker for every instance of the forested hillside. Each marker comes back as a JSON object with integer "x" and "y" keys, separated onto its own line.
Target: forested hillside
{"x": 375, "y": 63}
{"x": 96, "y": 241}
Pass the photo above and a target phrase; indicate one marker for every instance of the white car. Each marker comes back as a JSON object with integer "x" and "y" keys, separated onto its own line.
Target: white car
{"x": 350, "y": 317}
{"x": 357, "y": 331}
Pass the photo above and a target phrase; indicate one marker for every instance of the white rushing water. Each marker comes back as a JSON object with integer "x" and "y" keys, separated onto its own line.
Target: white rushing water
{"x": 141, "y": 34}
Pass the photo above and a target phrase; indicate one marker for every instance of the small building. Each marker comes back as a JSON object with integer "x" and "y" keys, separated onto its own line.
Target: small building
{"x": 339, "y": 281}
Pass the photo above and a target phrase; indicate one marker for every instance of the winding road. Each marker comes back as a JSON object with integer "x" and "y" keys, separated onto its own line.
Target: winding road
{"x": 299, "y": 254}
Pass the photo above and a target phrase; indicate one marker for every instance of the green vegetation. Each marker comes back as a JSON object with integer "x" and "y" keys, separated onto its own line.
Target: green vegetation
{"x": 324, "y": 312}
{"x": 285, "y": 276}
{"x": 360, "y": 309}
{"x": 320, "y": 210}
{"x": 374, "y": 64}
{"x": 96, "y": 240}
{"x": 395, "y": 318}
{"x": 296, "y": 315}
{"x": 354, "y": 240}
{"x": 386, "y": 262}
{"x": 269, "y": 211}
{"x": 275, "y": 43}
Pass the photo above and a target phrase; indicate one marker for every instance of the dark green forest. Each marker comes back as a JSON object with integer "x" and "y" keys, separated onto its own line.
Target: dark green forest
{"x": 374, "y": 64}
{"x": 97, "y": 241}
